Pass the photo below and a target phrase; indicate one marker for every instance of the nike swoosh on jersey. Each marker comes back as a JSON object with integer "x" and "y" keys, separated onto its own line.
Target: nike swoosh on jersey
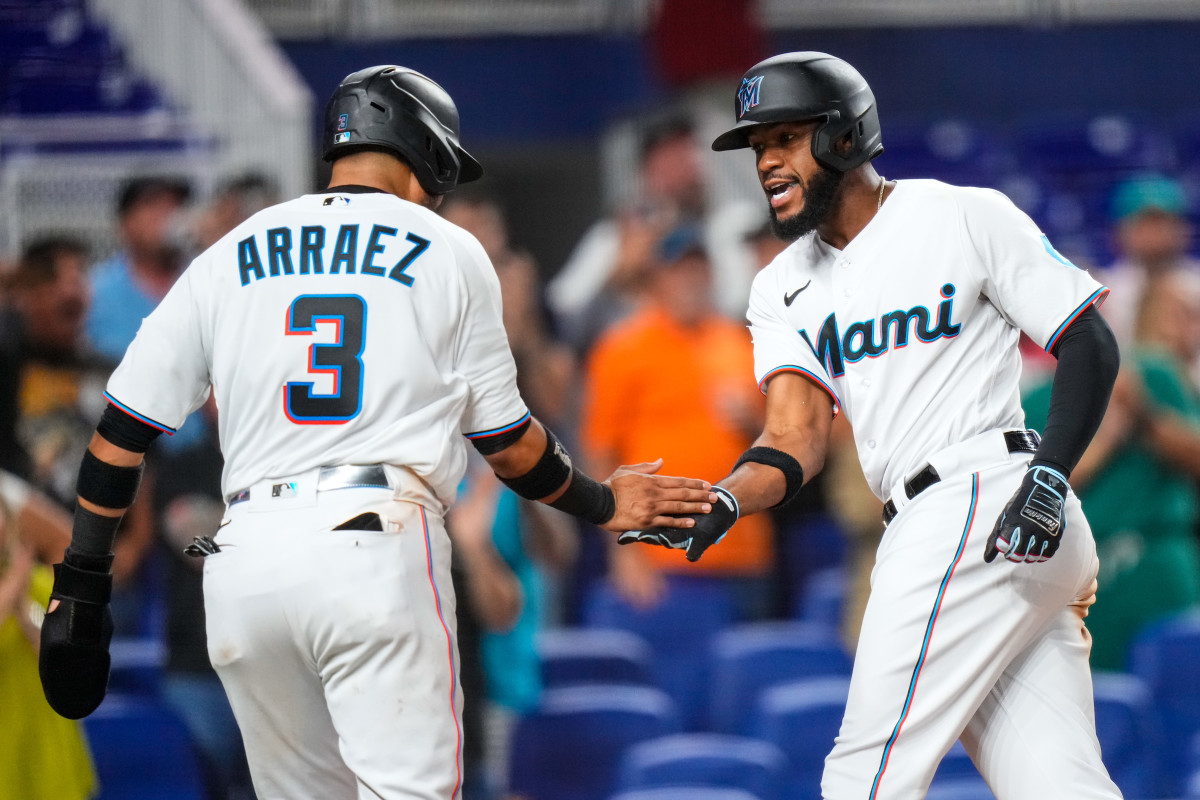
{"x": 788, "y": 298}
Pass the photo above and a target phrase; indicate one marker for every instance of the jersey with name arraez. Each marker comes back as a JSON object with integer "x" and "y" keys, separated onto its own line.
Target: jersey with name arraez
{"x": 344, "y": 328}
{"x": 913, "y": 328}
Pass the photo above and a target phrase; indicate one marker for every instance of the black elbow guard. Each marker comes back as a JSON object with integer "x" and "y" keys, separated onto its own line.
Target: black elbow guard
{"x": 583, "y": 498}
{"x": 107, "y": 485}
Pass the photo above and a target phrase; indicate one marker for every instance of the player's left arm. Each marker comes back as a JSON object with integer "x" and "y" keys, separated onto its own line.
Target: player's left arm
{"x": 790, "y": 450}
{"x": 74, "y": 660}
{"x": 1032, "y": 524}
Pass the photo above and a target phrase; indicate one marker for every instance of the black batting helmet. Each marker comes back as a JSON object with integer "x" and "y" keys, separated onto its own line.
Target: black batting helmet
{"x": 809, "y": 86}
{"x": 401, "y": 110}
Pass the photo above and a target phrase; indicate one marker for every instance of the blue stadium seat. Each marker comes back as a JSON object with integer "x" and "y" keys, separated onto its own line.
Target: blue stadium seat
{"x": 750, "y": 658}
{"x": 570, "y": 746}
{"x": 823, "y": 598}
{"x": 950, "y": 150}
{"x": 956, "y": 766}
{"x": 812, "y": 543}
{"x": 961, "y": 789}
{"x": 1128, "y": 736}
{"x": 686, "y": 793}
{"x": 678, "y": 630}
{"x": 142, "y": 751}
{"x": 593, "y": 655}
{"x": 1165, "y": 656}
{"x": 1074, "y": 147}
{"x": 802, "y": 719}
{"x": 137, "y": 665}
{"x": 706, "y": 759}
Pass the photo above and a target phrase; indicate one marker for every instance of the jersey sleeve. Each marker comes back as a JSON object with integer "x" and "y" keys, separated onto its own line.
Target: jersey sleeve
{"x": 779, "y": 347}
{"x": 1031, "y": 284}
{"x": 494, "y": 406}
{"x": 164, "y": 375}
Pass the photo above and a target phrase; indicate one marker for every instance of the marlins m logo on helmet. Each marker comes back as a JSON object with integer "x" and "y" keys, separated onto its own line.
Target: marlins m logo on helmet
{"x": 748, "y": 94}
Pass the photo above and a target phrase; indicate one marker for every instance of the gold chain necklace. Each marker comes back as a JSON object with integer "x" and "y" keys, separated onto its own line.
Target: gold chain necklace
{"x": 882, "y": 183}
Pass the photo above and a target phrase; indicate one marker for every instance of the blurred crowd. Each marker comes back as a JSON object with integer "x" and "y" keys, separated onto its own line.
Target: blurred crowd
{"x": 634, "y": 349}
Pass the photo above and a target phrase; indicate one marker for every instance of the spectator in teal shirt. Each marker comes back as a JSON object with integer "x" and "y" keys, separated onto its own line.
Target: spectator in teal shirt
{"x": 1137, "y": 481}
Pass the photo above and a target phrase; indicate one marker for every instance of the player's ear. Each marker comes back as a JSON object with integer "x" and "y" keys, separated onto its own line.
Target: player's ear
{"x": 843, "y": 144}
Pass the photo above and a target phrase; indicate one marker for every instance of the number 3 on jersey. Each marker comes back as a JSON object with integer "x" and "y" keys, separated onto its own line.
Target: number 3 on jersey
{"x": 341, "y": 358}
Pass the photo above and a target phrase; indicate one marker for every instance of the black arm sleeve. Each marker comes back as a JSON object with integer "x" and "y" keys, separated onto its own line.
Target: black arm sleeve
{"x": 1088, "y": 360}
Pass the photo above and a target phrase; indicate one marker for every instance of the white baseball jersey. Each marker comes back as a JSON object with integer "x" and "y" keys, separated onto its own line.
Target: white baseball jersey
{"x": 344, "y": 328}
{"x": 913, "y": 328}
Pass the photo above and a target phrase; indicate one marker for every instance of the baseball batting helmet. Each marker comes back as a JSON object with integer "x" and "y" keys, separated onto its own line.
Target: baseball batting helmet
{"x": 809, "y": 86}
{"x": 400, "y": 110}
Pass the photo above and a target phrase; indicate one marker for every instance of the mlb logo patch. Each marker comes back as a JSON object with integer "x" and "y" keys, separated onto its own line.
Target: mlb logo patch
{"x": 341, "y": 137}
{"x": 748, "y": 94}
{"x": 343, "y": 121}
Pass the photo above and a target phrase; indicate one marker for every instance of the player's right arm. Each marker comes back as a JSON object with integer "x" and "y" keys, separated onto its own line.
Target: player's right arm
{"x": 525, "y": 455}
{"x": 536, "y": 466}
{"x": 801, "y": 404}
{"x": 799, "y": 420}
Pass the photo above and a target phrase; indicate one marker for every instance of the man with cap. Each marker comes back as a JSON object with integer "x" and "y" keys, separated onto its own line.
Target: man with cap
{"x": 1152, "y": 235}
{"x": 900, "y": 303}
{"x": 353, "y": 341}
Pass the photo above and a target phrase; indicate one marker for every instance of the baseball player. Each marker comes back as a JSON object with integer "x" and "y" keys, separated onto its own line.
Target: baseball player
{"x": 352, "y": 338}
{"x": 899, "y": 304}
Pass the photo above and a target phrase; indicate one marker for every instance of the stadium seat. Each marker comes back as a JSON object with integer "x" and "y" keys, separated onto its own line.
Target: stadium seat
{"x": 1164, "y": 657}
{"x": 950, "y": 150}
{"x": 823, "y": 598}
{"x": 802, "y": 718}
{"x": 961, "y": 789}
{"x": 1073, "y": 147}
{"x": 581, "y": 655}
{"x": 570, "y": 746}
{"x": 678, "y": 630}
{"x": 1126, "y": 731}
{"x": 812, "y": 543}
{"x": 686, "y": 793}
{"x": 956, "y": 766}
{"x": 137, "y": 664}
{"x": 750, "y": 658}
{"x": 706, "y": 759}
{"x": 142, "y": 751}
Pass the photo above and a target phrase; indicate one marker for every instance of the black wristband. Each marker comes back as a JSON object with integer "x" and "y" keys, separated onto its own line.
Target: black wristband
{"x": 793, "y": 473}
{"x": 548, "y": 474}
{"x": 107, "y": 485}
{"x": 92, "y": 537}
{"x": 587, "y": 499}
{"x": 82, "y": 585}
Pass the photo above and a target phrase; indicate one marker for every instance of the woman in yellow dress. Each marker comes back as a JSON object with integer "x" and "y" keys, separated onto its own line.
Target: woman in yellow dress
{"x": 42, "y": 755}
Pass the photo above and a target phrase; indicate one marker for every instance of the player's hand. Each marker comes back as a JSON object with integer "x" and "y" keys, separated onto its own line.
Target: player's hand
{"x": 1032, "y": 524}
{"x": 707, "y": 530}
{"x": 73, "y": 660}
{"x": 645, "y": 499}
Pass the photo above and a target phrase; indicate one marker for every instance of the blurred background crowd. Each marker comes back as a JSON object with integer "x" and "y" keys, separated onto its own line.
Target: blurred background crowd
{"x": 135, "y": 133}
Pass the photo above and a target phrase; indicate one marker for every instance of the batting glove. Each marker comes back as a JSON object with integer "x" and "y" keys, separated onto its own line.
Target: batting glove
{"x": 73, "y": 660}
{"x": 1031, "y": 525}
{"x": 709, "y": 528}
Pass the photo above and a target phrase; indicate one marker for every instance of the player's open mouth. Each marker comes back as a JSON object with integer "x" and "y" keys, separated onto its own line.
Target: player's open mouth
{"x": 779, "y": 191}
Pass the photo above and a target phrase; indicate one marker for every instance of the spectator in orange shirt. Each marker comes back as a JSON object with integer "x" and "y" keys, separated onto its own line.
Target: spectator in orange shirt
{"x": 675, "y": 367}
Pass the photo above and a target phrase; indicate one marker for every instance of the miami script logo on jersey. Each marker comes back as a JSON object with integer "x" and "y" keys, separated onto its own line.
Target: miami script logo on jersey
{"x": 748, "y": 94}
{"x": 873, "y": 337}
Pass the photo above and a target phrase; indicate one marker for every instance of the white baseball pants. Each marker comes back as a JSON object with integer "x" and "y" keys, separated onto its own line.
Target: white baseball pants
{"x": 954, "y": 647}
{"x": 337, "y": 648}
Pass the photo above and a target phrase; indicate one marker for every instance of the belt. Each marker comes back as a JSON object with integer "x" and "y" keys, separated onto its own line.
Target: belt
{"x": 1025, "y": 441}
{"x": 348, "y": 476}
